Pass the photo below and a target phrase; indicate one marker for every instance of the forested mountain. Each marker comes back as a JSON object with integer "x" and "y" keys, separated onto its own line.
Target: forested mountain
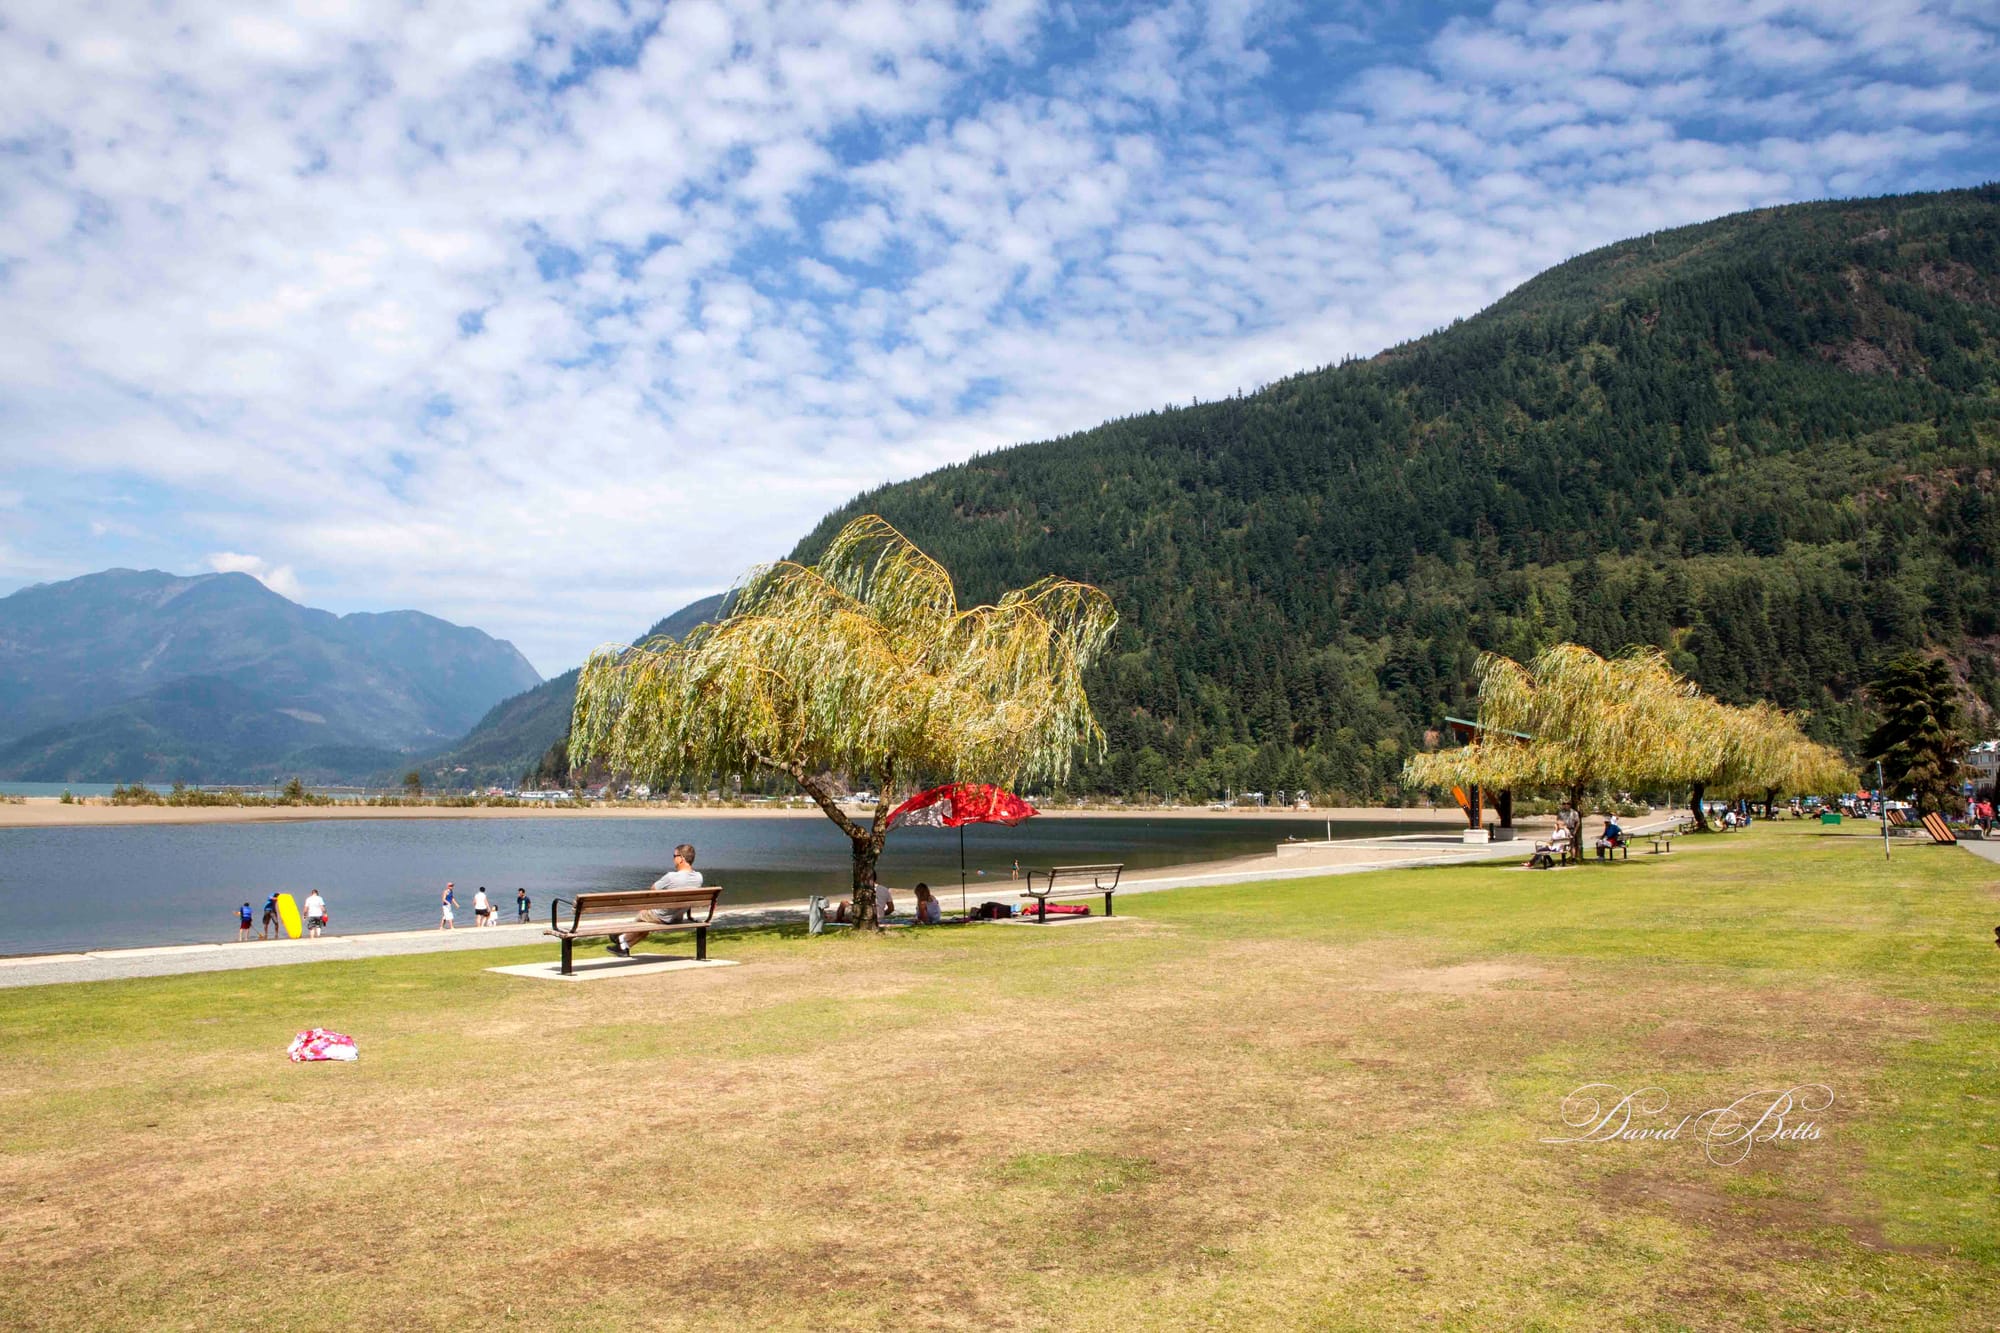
{"x": 1767, "y": 444}
{"x": 517, "y": 733}
{"x": 134, "y": 675}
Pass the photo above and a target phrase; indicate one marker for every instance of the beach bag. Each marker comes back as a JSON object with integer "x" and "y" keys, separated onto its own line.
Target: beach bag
{"x": 319, "y": 1044}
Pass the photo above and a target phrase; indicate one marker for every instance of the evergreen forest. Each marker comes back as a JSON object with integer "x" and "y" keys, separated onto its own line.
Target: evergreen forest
{"x": 1766, "y": 444}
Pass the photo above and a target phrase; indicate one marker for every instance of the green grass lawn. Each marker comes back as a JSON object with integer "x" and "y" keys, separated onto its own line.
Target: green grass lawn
{"x": 1315, "y": 1102}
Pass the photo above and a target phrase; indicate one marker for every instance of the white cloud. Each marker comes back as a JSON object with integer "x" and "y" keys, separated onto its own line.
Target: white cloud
{"x": 549, "y": 318}
{"x": 278, "y": 578}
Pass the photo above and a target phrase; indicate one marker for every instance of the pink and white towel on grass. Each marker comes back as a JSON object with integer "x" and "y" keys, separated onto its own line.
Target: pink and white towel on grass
{"x": 319, "y": 1044}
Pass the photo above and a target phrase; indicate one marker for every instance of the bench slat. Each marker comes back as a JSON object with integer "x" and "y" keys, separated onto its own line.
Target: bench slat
{"x": 622, "y": 926}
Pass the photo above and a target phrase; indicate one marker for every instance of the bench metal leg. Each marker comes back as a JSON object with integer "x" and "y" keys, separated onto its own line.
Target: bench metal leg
{"x": 1041, "y": 911}
{"x": 701, "y": 944}
{"x": 1107, "y": 902}
{"x": 565, "y": 956}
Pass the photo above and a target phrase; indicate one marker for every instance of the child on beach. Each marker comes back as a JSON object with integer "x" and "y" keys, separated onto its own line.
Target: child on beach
{"x": 521, "y": 906}
{"x": 243, "y": 919}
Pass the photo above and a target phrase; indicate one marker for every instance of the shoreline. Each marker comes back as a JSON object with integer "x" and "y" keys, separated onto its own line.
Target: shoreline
{"x": 50, "y": 812}
{"x": 1351, "y": 856}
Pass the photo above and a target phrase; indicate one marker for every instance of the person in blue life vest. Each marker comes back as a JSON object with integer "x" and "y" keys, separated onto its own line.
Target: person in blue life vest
{"x": 271, "y": 929}
{"x": 244, "y": 918}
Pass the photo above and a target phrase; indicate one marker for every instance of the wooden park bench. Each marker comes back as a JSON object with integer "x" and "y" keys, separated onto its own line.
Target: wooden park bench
{"x": 1054, "y": 887}
{"x": 1940, "y": 832}
{"x": 1663, "y": 841}
{"x": 602, "y": 915}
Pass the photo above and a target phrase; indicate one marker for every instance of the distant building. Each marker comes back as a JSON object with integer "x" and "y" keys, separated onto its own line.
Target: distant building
{"x": 1982, "y": 764}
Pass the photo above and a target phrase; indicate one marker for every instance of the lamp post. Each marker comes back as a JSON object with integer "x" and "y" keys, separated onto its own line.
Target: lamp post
{"x": 1882, "y": 801}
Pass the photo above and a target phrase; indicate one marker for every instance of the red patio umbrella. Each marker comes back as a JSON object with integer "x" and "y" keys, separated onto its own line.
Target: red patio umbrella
{"x": 957, "y": 804}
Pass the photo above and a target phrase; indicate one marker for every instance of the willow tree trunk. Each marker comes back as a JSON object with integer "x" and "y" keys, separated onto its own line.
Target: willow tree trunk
{"x": 867, "y": 851}
{"x": 866, "y": 841}
{"x": 1700, "y": 815}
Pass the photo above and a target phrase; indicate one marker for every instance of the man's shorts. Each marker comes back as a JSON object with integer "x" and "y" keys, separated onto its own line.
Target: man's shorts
{"x": 660, "y": 916}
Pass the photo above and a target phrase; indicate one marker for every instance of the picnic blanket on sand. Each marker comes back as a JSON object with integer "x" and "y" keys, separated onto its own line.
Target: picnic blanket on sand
{"x": 319, "y": 1044}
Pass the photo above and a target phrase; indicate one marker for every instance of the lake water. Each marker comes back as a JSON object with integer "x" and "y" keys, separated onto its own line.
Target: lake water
{"x": 90, "y": 888}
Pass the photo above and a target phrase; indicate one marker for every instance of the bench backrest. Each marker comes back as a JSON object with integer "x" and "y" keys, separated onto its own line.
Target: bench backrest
{"x": 592, "y": 908}
{"x": 1940, "y": 832}
{"x": 1081, "y": 879}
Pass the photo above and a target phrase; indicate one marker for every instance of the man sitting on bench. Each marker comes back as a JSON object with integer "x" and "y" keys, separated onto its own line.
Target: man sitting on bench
{"x": 682, "y": 876}
{"x": 1613, "y": 838}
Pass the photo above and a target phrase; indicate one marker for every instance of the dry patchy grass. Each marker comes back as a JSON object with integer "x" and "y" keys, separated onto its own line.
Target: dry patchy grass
{"x": 1315, "y": 1103}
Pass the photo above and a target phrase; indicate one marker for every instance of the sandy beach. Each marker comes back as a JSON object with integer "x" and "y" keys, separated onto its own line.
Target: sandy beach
{"x": 50, "y": 812}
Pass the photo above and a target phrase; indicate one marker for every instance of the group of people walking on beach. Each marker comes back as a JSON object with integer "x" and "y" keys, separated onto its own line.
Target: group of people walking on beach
{"x": 484, "y": 911}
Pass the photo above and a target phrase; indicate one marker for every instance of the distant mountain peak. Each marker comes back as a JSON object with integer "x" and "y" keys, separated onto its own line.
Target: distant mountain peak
{"x": 129, "y": 674}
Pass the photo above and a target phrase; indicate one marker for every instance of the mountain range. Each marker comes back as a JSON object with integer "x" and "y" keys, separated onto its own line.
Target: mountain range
{"x": 128, "y": 675}
{"x": 1767, "y": 444}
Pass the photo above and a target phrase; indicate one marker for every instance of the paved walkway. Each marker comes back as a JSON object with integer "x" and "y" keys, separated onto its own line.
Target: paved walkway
{"x": 1985, "y": 847}
{"x": 1356, "y": 856}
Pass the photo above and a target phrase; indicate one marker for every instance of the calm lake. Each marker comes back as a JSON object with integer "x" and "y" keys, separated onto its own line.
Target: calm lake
{"x": 91, "y": 888}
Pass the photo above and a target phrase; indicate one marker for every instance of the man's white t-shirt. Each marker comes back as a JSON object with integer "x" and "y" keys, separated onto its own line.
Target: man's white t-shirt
{"x": 315, "y": 905}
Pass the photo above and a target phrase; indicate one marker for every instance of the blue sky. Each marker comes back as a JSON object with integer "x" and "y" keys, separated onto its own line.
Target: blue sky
{"x": 550, "y": 318}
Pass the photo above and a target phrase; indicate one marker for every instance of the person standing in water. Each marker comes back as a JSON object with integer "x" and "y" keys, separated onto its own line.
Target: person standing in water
{"x": 315, "y": 914}
{"x": 244, "y": 918}
{"x": 447, "y": 905}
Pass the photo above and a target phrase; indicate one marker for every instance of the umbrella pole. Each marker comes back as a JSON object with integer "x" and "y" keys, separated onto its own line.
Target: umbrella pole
{"x": 961, "y": 870}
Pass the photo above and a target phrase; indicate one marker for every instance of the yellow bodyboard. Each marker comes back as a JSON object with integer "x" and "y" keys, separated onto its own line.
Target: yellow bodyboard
{"x": 288, "y": 915}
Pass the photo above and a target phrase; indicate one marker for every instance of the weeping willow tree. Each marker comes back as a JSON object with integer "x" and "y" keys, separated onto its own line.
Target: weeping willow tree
{"x": 862, "y": 664}
{"x": 1595, "y": 722}
{"x": 1744, "y": 748}
{"x": 1761, "y": 750}
{"x": 1805, "y": 767}
{"x": 1629, "y": 721}
{"x": 1488, "y": 763}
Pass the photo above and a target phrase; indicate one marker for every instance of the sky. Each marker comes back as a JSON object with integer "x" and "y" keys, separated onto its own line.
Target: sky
{"x": 550, "y": 318}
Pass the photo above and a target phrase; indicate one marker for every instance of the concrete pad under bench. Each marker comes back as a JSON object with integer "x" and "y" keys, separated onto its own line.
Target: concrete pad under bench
{"x": 1027, "y": 918}
{"x": 597, "y": 969}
